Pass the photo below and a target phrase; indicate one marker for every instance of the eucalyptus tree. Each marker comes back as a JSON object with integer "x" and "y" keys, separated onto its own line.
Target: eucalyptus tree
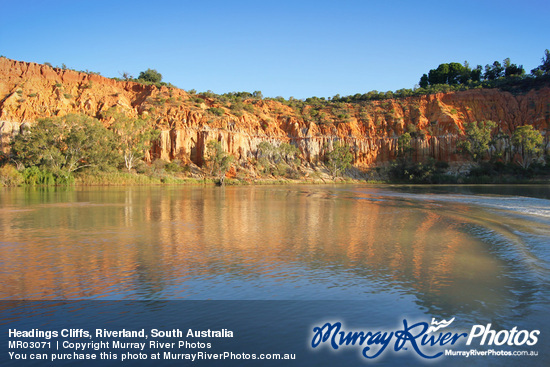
{"x": 528, "y": 143}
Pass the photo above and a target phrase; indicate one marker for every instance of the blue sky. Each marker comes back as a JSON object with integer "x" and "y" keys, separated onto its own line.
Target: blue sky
{"x": 282, "y": 48}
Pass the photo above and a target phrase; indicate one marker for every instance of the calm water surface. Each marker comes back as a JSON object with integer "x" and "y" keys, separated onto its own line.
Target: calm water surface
{"x": 479, "y": 253}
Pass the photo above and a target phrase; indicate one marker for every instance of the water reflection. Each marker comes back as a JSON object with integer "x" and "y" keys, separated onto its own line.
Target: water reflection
{"x": 264, "y": 243}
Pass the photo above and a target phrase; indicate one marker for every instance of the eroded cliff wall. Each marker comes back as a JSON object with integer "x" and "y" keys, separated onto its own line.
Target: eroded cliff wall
{"x": 30, "y": 91}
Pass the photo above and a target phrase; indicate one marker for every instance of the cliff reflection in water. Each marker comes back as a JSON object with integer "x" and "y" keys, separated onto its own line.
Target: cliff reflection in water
{"x": 247, "y": 243}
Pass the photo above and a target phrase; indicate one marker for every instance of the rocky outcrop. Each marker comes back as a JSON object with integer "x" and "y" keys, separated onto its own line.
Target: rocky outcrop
{"x": 30, "y": 91}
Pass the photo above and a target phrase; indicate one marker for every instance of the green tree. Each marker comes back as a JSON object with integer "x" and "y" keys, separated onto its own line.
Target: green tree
{"x": 289, "y": 154}
{"x": 404, "y": 146}
{"x": 512, "y": 69}
{"x": 150, "y": 75}
{"x": 544, "y": 68}
{"x": 493, "y": 72}
{"x": 475, "y": 74}
{"x": 339, "y": 159}
{"x": 268, "y": 156}
{"x": 424, "y": 81}
{"x": 456, "y": 73}
{"x": 439, "y": 75}
{"x": 477, "y": 140}
{"x": 134, "y": 137}
{"x": 267, "y": 151}
{"x": 278, "y": 160}
{"x": 452, "y": 73}
{"x": 528, "y": 144}
{"x": 126, "y": 76}
{"x": 219, "y": 161}
{"x": 66, "y": 144}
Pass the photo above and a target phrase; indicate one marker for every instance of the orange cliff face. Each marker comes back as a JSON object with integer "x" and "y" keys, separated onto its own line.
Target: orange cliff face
{"x": 30, "y": 91}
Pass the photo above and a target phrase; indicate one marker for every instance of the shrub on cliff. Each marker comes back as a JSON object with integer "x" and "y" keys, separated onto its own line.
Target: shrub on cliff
{"x": 216, "y": 111}
{"x": 150, "y": 75}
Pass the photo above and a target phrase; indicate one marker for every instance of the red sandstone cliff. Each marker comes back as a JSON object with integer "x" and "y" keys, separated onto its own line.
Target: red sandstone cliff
{"x": 30, "y": 91}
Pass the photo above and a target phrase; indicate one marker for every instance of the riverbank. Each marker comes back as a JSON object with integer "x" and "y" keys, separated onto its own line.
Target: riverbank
{"x": 122, "y": 179}
{"x": 11, "y": 177}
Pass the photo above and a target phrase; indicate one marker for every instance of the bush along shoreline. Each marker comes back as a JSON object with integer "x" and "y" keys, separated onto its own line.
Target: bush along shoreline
{"x": 79, "y": 150}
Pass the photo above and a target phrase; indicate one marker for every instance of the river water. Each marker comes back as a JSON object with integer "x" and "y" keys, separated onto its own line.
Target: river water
{"x": 477, "y": 253}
